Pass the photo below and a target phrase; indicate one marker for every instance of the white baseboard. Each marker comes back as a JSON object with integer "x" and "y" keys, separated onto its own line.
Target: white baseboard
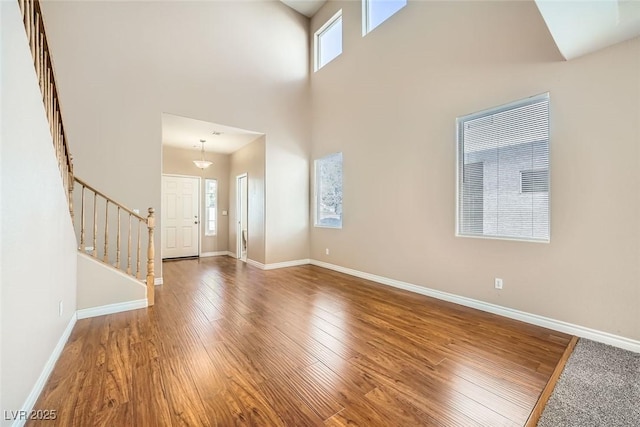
{"x": 285, "y": 264}
{"x": 276, "y": 265}
{"x": 218, "y": 253}
{"x": 46, "y": 371}
{"x": 557, "y": 325}
{"x": 260, "y": 265}
{"x": 85, "y": 313}
{"x": 157, "y": 281}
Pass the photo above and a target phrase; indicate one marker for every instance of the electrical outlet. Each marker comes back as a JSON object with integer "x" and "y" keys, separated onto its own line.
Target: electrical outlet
{"x": 60, "y": 308}
{"x": 326, "y": 251}
{"x": 498, "y": 283}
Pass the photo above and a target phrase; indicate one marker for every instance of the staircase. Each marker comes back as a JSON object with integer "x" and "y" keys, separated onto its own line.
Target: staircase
{"x": 100, "y": 211}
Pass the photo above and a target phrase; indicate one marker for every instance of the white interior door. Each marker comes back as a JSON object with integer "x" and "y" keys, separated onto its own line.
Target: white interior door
{"x": 180, "y": 220}
{"x": 242, "y": 231}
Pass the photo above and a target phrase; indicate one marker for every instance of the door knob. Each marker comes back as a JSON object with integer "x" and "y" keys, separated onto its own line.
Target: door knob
{"x": 195, "y": 222}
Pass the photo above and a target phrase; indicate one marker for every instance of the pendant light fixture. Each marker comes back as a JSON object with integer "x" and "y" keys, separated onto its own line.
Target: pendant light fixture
{"x": 202, "y": 163}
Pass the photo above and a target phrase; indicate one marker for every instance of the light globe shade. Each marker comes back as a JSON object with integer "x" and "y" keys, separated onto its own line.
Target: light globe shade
{"x": 202, "y": 164}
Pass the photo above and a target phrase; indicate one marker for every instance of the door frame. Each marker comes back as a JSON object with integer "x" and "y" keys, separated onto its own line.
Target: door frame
{"x": 238, "y": 218}
{"x": 177, "y": 175}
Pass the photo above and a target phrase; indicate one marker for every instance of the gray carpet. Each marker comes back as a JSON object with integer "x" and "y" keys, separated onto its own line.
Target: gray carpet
{"x": 600, "y": 386}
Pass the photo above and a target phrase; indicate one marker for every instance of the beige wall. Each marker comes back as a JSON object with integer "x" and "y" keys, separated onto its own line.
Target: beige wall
{"x": 249, "y": 160}
{"x": 178, "y": 161}
{"x": 120, "y": 65}
{"x": 38, "y": 244}
{"x": 99, "y": 285}
{"x": 389, "y": 103}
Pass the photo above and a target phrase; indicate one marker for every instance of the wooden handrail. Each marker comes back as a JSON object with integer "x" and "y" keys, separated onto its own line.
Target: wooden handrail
{"x": 39, "y": 47}
{"x": 109, "y": 254}
{"x": 113, "y": 202}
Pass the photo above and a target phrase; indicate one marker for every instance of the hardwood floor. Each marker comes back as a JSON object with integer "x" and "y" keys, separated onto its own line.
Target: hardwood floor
{"x": 228, "y": 344}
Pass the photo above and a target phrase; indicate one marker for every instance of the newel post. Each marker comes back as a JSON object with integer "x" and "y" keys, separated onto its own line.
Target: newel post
{"x": 151, "y": 223}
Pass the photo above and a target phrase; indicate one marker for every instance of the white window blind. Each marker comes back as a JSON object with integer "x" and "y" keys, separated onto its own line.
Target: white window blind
{"x": 503, "y": 171}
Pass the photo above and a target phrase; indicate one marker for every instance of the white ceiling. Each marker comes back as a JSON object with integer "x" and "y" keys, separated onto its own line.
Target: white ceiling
{"x": 186, "y": 133}
{"x": 306, "y": 7}
{"x": 580, "y": 27}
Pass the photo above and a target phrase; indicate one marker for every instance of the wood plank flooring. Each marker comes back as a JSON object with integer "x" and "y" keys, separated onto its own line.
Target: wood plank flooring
{"x": 230, "y": 345}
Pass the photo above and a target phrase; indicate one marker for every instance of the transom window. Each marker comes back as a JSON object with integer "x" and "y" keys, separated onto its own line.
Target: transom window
{"x": 375, "y": 12}
{"x": 328, "y": 41}
{"x": 503, "y": 171}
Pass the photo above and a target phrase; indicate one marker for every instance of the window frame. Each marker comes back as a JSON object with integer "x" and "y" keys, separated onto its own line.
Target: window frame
{"x": 460, "y": 163}
{"x": 366, "y": 24}
{"x": 207, "y": 220}
{"x": 317, "y": 36}
{"x": 317, "y": 192}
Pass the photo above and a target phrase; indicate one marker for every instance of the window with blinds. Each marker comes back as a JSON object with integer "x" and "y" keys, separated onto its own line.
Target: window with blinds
{"x": 503, "y": 171}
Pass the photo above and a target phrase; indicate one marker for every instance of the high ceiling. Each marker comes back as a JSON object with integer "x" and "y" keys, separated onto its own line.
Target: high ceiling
{"x": 306, "y": 7}
{"x": 184, "y": 132}
{"x": 578, "y": 27}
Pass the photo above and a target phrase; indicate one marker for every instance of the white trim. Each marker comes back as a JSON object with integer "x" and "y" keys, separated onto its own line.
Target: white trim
{"x": 218, "y": 253}
{"x": 534, "y": 319}
{"x": 260, "y": 265}
{"x": 112, "y": 308}
{"x": 158, "y": 281}
{"x": 238, "y": 218}
{"x": 46, "y": 371}
{"x": 276, "y": 265}
{"x": 285, "y": 264}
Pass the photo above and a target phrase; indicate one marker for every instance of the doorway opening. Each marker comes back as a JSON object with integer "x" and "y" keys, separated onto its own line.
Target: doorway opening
{"x": 242, "y": 231}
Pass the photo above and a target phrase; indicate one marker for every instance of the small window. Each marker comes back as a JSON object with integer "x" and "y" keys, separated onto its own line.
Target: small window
{"x": 210, "y": 214}
{"x": 328, "y": 191}
{"x": 534, "y": 181}
{"x": 375, "y": 12}
{"x": 328, "y": 41}
{"x": 503, "y": 171}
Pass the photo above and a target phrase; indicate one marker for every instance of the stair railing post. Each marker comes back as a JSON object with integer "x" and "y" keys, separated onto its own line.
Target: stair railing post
{"x": 129, "y": 248}
{"x": 71, "y": 185}
{"x": 94, "y": 252}
{"x": 151, "y": 223}
{"x": 138, "y": 252}
{"x": 118, "y": 242}
{"x": 82, "y": 236}
{"x": 106, "y": 232}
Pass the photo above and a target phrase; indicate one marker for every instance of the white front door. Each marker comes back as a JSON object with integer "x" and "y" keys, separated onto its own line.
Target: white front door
{"x": 180, "y": 216}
